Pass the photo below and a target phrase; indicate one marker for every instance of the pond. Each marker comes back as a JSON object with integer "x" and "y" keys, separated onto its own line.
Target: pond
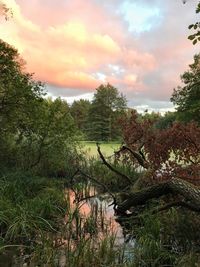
{"x": 95, "y": 217}
{"x": 88, "y": 234}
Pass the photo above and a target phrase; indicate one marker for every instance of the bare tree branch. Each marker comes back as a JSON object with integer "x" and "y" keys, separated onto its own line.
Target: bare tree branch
{"x": 139, "y": 157}
{"x": 112, "y": 168}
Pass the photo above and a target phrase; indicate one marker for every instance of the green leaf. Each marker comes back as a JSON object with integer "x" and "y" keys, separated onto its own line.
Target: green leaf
{"x": 191, "y": 37}
{"x": 198, "y": 8}
{"x": 194, "y": 42}
{"x": 190, "y": 26}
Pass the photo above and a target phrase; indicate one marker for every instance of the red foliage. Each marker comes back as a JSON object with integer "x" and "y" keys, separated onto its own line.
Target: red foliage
{"x": 172, "y": 152}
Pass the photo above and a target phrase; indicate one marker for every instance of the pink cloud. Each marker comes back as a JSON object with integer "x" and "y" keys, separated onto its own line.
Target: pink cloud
{"x": 70, "y": 44}
{"x": 136, "y": 59}
{"x": 65, "y": 54}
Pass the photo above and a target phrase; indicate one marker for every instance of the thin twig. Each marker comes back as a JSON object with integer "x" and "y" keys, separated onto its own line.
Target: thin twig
{"x": 140, "y": 158}
{"x": 101, "y": 184}
{"x": 110, "y": 167}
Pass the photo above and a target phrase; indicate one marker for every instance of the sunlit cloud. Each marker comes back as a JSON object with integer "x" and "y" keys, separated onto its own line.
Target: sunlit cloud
{"x": 74, "y": 46}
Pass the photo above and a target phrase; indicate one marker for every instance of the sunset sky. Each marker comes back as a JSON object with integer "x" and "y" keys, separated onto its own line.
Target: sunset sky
{"x": 139, "y": 46}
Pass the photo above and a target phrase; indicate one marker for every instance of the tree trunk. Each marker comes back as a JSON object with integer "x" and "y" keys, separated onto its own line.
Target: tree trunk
{"x": 189, "y": 192}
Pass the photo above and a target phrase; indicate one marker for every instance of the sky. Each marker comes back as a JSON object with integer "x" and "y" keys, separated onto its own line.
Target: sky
{"x": 138, "y": 46}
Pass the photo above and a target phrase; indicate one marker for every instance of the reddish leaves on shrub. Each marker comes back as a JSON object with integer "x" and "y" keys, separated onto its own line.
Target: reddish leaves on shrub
{"x": 171, "y": 152}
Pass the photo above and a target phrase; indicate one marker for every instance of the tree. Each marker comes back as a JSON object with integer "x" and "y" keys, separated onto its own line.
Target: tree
{"x": 187, "y": 98}
{"x": 167, "y": 120}
{"x": 106, "y": 108}
{"x": 51, "y": 143}
{"x": 170, "y": 162}
{"x": 79, "y": 111}
{"x": 20, "y": 97}
{"x": 36, "y": 133}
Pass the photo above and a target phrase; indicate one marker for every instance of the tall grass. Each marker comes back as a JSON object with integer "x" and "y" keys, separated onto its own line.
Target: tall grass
{"x": 39, "y": 225}
{"x": 110, "y": 179}
{"x": 166, "y": 239}
{"x": 29, "y": 206}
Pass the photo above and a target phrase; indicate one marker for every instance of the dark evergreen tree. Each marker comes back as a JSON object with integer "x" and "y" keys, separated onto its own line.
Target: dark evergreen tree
{"x": 106, "y": 108}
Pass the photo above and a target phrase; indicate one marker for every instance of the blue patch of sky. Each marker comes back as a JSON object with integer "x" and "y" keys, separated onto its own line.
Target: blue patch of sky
{"x": 141, "y": 16}
{"x": 100, "y": 76}
{"x": 116, "y": 69}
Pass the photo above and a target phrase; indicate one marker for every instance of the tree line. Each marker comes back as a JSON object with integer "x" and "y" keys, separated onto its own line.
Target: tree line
{"x": 33, "y": 125}
{"x": 99, "y": 119}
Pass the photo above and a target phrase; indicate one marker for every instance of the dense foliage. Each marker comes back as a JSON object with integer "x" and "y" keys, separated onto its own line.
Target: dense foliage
{"x": 80, "y": 112}
{"x": 36, "y": 133}
{"x": 187, "y": 97}
{"x": 98, "y": 120}
{"x": 171, "y": 152}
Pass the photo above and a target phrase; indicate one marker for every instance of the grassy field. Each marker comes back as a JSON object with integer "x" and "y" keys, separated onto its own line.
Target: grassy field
{"x": 107, "y": 148}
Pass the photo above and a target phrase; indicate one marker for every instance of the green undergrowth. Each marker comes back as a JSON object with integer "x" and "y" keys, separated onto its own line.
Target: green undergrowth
{"x": 27, "y": 204}
{"x": 39, "y": 227}
{"x": 110, "y": 179}
{"x": 29, "y": 207}
{"x": 167, "y": 239}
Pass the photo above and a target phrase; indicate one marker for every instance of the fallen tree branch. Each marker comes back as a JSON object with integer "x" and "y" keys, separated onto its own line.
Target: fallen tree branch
{"x": 124, "y": 218}
{"x": 111, "y": 167}
{"x": 175, "y": 186}
{"x": 183, "y": 204}
{"x": 141, "y": 153}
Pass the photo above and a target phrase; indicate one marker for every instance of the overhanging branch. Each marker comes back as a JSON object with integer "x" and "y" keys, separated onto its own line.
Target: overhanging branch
{"x": 111, "y": 167}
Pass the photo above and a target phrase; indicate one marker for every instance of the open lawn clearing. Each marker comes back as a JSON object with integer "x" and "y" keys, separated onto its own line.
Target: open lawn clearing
{"x": 107, "y": 148}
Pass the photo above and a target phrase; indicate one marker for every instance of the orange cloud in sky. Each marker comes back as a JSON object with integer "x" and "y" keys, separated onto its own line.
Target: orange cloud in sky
{"x": 65, "y": 55}
{"x": 79, "y": 80}
{"x": 80, "y": 44}
{"x": 130, "y": 79}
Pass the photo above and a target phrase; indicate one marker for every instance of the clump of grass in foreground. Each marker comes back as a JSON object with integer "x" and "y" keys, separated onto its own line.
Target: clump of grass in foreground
{"x": 167, "y": 239}
{"x": 29, "y": 207}
{"x": 82, "y": 253}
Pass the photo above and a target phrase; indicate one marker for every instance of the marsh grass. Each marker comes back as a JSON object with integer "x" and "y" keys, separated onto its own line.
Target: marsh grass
{"x": 39, "y": 226}
{"x": 167, "y": 239}
{"x": 29, "y": 206}
{"x": 84, "y": 240}
{"x": 111, "y": 180}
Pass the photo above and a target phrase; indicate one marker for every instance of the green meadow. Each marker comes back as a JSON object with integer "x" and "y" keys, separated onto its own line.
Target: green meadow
{"x": 107, "y": 148}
